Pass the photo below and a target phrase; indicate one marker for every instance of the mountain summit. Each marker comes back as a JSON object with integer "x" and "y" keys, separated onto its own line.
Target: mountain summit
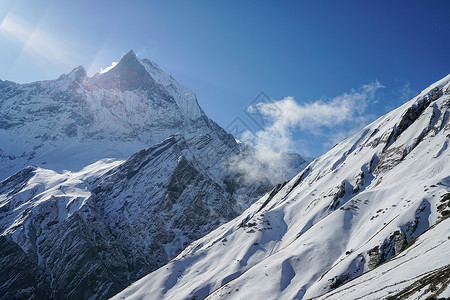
{"x": 132, "y": 73}
{"x": 113, "y": 114}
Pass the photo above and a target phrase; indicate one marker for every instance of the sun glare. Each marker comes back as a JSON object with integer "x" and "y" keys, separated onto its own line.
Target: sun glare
{"x": 35, "y": 41}
{"x": 16, "y": 27}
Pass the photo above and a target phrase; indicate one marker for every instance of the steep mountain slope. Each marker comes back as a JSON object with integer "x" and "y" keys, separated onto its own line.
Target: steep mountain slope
{"x": 85, "y": 220}
{"x": 351, "y": 212}
{"x": 420, "y": 272}
{"x": 86, "y": 234}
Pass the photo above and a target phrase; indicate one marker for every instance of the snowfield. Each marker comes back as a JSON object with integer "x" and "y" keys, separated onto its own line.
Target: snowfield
{"x": 367, "y": 220}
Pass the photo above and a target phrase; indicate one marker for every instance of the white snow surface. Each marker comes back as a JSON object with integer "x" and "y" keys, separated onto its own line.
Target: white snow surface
{"x": 69, "y": 188}
{"x": 145, "y": 209}
{"x": 381, "y": 194}
{"x": 425, "y": 258}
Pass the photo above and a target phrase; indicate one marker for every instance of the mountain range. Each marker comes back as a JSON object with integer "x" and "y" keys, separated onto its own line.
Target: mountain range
{"x": 118, "y": 185}
{"x": 107, "y": 178}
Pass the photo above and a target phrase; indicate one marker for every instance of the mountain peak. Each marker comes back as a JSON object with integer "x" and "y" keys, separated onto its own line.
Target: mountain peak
{"x": 77, "y": 74}
{"x": 130, "y": 73}
{"x": 130, "y": 56}
{"x": 128, "y": 61}
{"x": 130, "y": 53}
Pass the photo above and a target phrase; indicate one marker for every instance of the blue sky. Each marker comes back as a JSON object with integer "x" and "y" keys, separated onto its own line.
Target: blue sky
{"x": 370, "y": 55}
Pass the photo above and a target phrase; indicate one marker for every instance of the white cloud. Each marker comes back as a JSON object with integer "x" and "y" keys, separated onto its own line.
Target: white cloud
{"x": 287, "y": 113}
{"x": 335, "y": 118}
{"x": 114, "y": 63}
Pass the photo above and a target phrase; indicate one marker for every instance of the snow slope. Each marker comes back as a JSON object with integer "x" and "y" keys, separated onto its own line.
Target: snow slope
{"x": 419, "y": 272}
{"x": 375, "y": 206}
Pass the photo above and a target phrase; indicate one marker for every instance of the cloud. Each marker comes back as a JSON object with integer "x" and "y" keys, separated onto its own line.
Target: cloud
{"x": 314, "y": 117}
{"x": 335, "y": 118}
{"x": 287, "y": 113}
{"x": 114, "y": 63}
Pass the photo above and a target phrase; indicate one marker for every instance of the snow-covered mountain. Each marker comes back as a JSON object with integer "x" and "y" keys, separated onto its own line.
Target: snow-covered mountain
{"x": 113, "y": 114}
{"x": 80, "y": 218}
{"x": 85, "y": 234}
{"x": 367, "y": 220}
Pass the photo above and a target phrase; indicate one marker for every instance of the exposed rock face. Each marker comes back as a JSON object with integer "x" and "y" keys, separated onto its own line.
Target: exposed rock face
{"x": 89, "y": 234}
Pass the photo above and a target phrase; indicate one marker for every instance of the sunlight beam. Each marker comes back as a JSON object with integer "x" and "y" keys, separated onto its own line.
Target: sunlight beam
{"x": 35, "y": 41}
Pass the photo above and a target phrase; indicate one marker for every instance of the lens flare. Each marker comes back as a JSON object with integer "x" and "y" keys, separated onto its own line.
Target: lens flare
{"x": 35, "y": 41}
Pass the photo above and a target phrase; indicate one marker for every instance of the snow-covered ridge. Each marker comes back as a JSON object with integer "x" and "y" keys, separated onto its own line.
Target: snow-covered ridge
{"x": 421, "y": 267}
{"x": 383, "y": 193}
{"x": 184, "y": 98}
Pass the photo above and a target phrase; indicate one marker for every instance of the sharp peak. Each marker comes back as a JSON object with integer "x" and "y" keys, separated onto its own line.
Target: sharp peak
{"x": 128, "y": 59}
{"x": 130, "y": 73}
{"x": 130, "y": 54}
{"x": 131, "y": 60}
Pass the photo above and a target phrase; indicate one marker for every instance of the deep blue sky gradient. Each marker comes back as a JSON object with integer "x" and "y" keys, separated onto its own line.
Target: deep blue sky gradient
{"x": 227, "y": 52}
